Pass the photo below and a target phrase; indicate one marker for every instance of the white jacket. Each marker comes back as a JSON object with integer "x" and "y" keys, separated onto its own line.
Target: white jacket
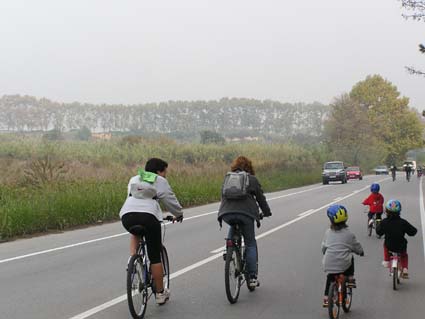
{"x": 164, "y": 194}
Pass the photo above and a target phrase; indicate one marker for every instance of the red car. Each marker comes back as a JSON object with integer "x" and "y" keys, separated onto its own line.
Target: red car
{"x": 354, "y": 172}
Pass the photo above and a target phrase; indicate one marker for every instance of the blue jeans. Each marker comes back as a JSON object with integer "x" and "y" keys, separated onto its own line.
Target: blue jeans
{"x": 248, "y": 232}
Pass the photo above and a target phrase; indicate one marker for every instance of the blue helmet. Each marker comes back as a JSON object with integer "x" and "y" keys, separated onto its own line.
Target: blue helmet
{"x": 374, "y": 188}
{"x": 337, "y": 214}
{"x": 393, "y": 206}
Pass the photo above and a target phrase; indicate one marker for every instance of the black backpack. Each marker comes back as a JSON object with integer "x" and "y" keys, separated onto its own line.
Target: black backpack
{"x": 235, "y": 185}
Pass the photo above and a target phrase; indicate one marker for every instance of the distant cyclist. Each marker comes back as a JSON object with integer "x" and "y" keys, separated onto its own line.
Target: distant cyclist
{"x": 408, "y": 170}
{"x": 393, "y": 171}
{"x": 245, "y": 211}
{"x": 337, "y": 247}
{"x": 141, "y": 207}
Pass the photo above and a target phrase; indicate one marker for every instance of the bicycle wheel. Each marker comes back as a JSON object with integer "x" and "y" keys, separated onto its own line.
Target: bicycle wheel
{"x": 165, "y": 267}
{"x": 348, "y": 297}
{"x": 137, "y": 287}
{"x": 333, "y": 305}
{"x": 396, "y": 281}
{"x": 232, "y": 274}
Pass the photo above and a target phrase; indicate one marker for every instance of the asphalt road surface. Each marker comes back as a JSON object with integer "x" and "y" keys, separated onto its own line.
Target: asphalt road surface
{"x": 81, "y": 274}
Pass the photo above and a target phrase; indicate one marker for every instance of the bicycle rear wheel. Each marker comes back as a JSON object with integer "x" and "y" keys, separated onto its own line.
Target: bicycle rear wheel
{"x": 232, "y": 274}
{"x": 137, "y": 287}
{"x": 348, "y": 297}
{"x": 165, "y": 267}
{"x": 333, "y": 305}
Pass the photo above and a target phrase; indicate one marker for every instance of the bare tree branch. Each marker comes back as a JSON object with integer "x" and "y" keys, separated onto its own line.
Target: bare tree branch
{"x": 414, "y": 71}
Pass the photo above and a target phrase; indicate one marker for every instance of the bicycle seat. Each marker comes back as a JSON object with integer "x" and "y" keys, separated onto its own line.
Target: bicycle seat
{"x": 137, "y": 230}
{"x": 394, "y": 253}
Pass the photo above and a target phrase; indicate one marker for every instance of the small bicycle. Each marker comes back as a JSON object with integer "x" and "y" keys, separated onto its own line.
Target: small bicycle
{"x": 372, "y": 223}
{"x": 340, "y": 296}
{"x": 140, "y": 284}
{"x": 235, "y": 267}
{"x": 395, "y": 269}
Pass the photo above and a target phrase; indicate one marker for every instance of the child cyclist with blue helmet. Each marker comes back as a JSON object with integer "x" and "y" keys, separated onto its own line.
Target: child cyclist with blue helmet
{"x": 394, "y": 228}
{"x": 337, "y": 246}
{"x": 375, "y": 201}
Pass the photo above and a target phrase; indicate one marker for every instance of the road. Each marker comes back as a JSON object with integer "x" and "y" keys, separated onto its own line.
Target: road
{"x": 81, "y": 274}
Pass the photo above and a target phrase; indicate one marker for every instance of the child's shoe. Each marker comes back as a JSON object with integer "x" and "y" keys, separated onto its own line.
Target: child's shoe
{"x": 405, "y": 274}
{"x": 351, "y": 282}
{"x": 385, "y": 263}
{"x": 325, "y": 302}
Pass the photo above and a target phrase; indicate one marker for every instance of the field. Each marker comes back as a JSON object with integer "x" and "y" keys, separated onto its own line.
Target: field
{"x": 48, "y": 185}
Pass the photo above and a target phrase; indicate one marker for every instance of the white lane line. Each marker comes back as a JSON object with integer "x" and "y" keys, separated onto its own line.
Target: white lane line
{"x": 119, "y": 299}
{"x": 422, "y": 209}
{"x": 337, "y": 199}
{"x": 126, "y": 233}
{"x": 306, "y": 212}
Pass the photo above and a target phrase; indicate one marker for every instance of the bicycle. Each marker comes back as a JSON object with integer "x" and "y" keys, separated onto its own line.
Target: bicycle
{"x": 393, "y": 175}
{"x": 235, "y": 267}
{"x": 395, "y": 268}
{"x": 140, "y": 284}
{"x": 340, "y": 296}
{"x": 373, "y": 224}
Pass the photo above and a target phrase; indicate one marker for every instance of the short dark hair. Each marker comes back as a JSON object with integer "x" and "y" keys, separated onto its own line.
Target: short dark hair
{"x": 155, "y": 165}
{"x": 338, "y": 226}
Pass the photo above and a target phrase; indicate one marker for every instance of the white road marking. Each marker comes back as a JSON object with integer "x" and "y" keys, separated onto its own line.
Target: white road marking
{"x": 119, "y": 299}
{"x": 422, "y": 209}
{"x": 337, "y": 199}
{"x": 306, "y": 212}
{"x": 126, "y": 233}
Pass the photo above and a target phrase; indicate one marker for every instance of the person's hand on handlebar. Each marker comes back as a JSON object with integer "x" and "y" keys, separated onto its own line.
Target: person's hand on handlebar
{"x": 174, "y": 219}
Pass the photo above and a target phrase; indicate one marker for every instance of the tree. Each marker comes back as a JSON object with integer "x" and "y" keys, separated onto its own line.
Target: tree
{"x": 210, "y": 137}
{"x": 349, "y": 133}
{"x": 416, "y": 9}
{"x": 84, "y": 133}
{"x": 394, "y": 124}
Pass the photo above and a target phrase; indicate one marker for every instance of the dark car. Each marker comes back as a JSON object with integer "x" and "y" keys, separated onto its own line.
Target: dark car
{"x": 354, "y": 172}
{"x": 334, "y": 171}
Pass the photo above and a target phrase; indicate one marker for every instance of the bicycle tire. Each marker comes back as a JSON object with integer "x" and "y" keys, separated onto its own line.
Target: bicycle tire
{"x": 137, "y": 293}
{"x": 395, "y": 278}
{"x": 232, "y": 274}
{"x": 348, "y": 297}
{"x": 333, "y": 303}
{"x": 165, "y": 267}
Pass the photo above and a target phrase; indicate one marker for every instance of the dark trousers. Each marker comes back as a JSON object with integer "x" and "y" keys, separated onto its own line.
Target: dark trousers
{"x": 331, "y": 277}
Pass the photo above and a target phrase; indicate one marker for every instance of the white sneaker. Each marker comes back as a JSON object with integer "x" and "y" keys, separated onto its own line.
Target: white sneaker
{"x": 162, "y": 297}
{"x": 386, "y": 264}
{"x": 253, "y": 282}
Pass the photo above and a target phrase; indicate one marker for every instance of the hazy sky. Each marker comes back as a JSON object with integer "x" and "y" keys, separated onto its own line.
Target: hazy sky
{"x": 136, "y": 51}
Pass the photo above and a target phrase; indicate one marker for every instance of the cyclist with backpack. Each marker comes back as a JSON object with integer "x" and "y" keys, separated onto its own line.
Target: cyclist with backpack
{"x": 145, "y": 191}
{"x": 241, "y": 192}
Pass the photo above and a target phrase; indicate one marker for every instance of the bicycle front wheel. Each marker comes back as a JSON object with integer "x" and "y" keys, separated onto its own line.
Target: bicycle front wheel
{"x": 395, "y": 278}
{"x": 137, "y": 287}
{"x": 333, "y": 302}
{"x": 232, "y": 274}
{"x": 348, "y": 298}
{"x": 165, "y": 267}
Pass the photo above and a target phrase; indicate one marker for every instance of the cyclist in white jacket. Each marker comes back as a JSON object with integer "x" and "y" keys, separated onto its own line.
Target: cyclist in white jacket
{"x": 145, "y": 192}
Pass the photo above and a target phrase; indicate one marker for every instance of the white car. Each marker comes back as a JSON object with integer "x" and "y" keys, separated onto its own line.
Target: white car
{"x": 381, "y": 170}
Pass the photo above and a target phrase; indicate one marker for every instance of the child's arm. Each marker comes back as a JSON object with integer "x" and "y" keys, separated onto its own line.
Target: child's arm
{"x": 324, "y": 246}
{"x": 409, "y": 229}
{"x": 356, "y": 247}
{"x": 367, "y": 201}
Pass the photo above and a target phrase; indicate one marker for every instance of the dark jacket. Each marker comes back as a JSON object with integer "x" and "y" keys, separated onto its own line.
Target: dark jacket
{"x": 394, "y": 228}
{"x": 247, "y": 206}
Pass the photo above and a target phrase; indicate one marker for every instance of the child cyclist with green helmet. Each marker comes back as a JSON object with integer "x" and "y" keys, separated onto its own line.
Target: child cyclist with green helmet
{"x": 337, "y": 246}
{"x": 395, "y": 228}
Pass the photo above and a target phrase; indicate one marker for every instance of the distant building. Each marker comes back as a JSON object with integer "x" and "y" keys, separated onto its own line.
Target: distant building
{"x": 101, "y": 136}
